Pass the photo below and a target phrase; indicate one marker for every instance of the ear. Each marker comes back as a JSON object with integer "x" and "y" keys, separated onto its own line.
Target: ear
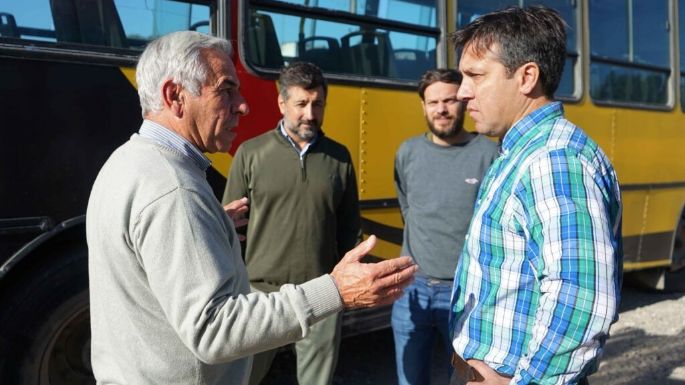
{"x": 173, "y": 98}
{"x": 529, "y": 75}
{"x": 281, "y": 104}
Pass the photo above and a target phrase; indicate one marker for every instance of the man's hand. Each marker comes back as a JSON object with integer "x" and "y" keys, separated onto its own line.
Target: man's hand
{"x": 236, "y": 211}
{"x": 485, "y": 375}
{"x": 371, "y": 284}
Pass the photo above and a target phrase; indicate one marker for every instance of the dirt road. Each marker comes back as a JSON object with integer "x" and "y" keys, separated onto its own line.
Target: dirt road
{"x": 647, "y": 347}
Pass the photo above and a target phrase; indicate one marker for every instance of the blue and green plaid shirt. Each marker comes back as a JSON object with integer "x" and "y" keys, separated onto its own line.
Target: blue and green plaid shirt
{"x": 538, "y": 283}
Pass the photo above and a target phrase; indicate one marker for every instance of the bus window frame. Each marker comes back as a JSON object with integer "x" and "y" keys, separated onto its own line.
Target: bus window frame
{"x": 578, "y": 85}
{"x": 69, "y": 52}
{"x": 245, "y": 6}
{"x": 679, "y": 88}
{"x": 577, "y": 51}
{"x": 668, "y": 106}
{"x": 679, "y": 46}
{"x": 671, "y": 82}
{"x": 88, "y": 53}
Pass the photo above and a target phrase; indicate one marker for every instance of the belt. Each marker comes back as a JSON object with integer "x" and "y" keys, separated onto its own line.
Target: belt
{"x": 462, "y": 370}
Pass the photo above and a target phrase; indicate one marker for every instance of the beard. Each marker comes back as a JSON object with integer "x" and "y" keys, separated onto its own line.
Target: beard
{"x": 449, "y": 132}
{"x": 304, "y": 133}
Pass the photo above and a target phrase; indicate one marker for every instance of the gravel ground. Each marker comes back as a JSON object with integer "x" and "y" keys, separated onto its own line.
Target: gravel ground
{"x": 647, "y": 344}
{"x": 647, "y": 347}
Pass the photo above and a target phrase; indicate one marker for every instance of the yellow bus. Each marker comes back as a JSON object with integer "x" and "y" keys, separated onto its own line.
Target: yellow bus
{"x": 68, "y": 99}
{"x": 621, "y": 83}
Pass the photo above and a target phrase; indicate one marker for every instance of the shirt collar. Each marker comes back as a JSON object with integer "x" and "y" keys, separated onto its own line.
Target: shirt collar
{"x": 168, "y": 138}
{"x": 521, "y": 130}
{"x": 281, "y": 128}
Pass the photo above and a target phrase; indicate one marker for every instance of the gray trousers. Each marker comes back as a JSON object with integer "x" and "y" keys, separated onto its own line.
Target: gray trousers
{"x": 317, "y": 355}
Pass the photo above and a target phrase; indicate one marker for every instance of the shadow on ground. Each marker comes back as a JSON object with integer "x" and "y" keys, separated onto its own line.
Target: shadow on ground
{"x": 634, "y": 296}
{"x": 367, "y": 359}
{"x": 632, "y": 357}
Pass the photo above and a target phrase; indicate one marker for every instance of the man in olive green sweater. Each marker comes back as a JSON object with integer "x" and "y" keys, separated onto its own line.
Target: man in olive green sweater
{"x": 304, "y": 210}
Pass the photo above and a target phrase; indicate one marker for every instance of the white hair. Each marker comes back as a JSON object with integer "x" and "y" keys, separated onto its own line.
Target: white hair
{"x": 175, "y": 56}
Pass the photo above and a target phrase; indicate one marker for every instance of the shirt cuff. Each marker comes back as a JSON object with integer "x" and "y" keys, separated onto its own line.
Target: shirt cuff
{"x": 323, "y": 297}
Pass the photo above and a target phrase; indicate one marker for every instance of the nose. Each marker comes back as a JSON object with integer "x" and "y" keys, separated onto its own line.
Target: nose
{"x": 465, "y": 91}
{"x": 308, "y": 113}
{"x": 241, "y": 107}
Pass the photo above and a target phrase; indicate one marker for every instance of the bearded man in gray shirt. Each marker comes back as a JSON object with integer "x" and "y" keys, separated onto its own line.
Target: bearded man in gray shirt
{"x": 437, "y": 176}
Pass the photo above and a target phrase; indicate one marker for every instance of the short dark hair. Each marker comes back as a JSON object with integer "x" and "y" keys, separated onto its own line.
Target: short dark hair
{"x": 301, "y": 74}
{"x": 532, "y": 34}
{"x": 443, "y": 75}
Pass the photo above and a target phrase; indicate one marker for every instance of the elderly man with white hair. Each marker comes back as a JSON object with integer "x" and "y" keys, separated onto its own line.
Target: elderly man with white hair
{"x": 170, "y": 296}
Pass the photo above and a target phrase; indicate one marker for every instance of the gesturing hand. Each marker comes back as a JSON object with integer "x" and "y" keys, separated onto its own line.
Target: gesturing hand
{"x": 236, "y": 211}
{"x": 371, "y": 284}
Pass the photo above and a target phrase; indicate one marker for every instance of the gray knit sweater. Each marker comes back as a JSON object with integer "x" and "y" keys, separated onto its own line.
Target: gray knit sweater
{"x": 169, "y": 290}
{"x": 437, "y": 188}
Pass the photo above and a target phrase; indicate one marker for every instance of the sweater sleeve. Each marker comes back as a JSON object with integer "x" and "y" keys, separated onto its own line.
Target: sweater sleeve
{"x": 187, "y": 249}
{"x": 348, "y": 216}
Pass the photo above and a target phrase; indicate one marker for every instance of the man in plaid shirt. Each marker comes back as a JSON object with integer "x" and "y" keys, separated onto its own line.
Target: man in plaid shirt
{"x": 538, "y": 283}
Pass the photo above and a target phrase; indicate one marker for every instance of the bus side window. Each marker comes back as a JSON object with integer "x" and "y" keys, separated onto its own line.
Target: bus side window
{"x": 633, "y": 67}
{"x": 371, "y": 55}
{"x": 88, "y": 22}
{"x": 432, "y": 59}
{"x": 263, "y": 47}
{"x": 200, "y": 26}
{"x": 322, "y": 51}
{"x": 411, "y": 63}
{"x": 352, "y": 45}
{"x": 27, "y": 20}
{"x": 8, "y": 26}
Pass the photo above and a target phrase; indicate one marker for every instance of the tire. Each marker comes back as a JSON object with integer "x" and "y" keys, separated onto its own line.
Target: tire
{"x": 661, "y": 279}
{"x": 678, "y": 257}
{"x": 45, "y": 323}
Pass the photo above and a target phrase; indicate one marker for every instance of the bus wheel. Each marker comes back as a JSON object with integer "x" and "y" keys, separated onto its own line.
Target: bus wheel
{"x": 678, "y": 258}
{"x": 674, "y": 278}
{"x": 46, "y": 325}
